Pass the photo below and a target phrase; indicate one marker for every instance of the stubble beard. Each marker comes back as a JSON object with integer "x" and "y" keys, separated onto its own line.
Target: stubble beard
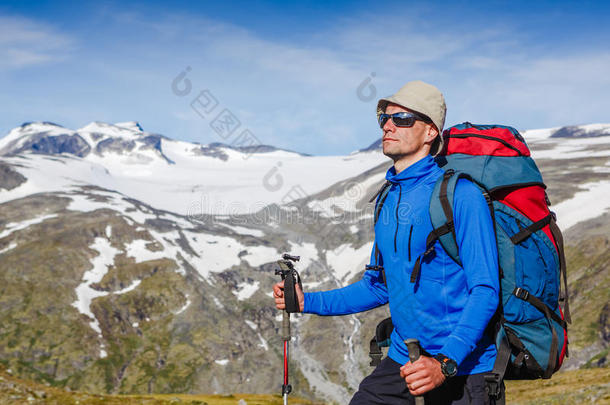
{"x": 394, "y": 153}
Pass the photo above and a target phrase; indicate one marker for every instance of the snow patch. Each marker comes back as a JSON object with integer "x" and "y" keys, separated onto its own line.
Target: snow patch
{"x": 587, "y": 204}
{"x": 263, "y": 342}
{"x": 311, "y": 284}
{"x": 214, "y": 253}
{"x": 17, "y": 226}
{"x": 85, "y": 294}
{"x": 130, "y": 287}
{"x": 184, "y": 307}
{"x": 218, "y": 303}
{"x": 242, "y": 230}
{"x": 571, "y": 148}
{"x": 538, "y": 134}
{"x": 245, "y": 290}
{"x": 347, "y": 261}
{"x": 11, "y": 246}
{"x": 307, "y": 251}
{"x": 347, "y": 201}
{"x": 259, "y": 255}
{"x": 138, "y": 250}
{"x": 222, "y": 362}
{"x": 251, "y": 324}
{"x": 86, "y": 203}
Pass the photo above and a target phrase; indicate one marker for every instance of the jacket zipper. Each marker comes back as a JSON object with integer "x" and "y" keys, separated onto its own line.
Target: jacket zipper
{"x": 397, "y": 220}
{"x": 410, "y": 233}
{"x": 502, "y": 141}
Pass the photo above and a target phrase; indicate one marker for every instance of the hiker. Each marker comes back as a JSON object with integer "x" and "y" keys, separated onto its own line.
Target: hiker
{"x": 446, "y": 306}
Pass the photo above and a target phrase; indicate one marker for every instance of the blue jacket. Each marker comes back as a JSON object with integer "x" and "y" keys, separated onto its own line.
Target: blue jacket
{"x": 449, "y": 307}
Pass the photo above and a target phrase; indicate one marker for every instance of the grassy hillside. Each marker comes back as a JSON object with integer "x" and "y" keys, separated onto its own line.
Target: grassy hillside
{"x": 570, "y": 387}
{"x": 17, "y": 391}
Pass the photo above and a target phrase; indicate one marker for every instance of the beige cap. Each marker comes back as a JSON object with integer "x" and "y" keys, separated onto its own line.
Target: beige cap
{"x": 420, "y": 97}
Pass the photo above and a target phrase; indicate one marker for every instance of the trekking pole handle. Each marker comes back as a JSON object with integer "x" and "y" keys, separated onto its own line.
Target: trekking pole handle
{"x": 287, "y": 256}
{"x": 414, "y": 352}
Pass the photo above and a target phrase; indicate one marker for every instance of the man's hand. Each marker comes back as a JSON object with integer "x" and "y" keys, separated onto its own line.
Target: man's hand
{"x": 423, "y": 375}
{"x": 278, "y": 294}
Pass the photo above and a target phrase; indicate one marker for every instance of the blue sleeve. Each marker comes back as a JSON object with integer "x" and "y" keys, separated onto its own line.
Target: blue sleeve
{"x": 475, "y": 236}
{"x": 367, "y": 293}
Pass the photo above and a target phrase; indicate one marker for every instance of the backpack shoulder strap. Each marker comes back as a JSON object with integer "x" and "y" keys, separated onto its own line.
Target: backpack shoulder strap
{"x": 441, "y": 213}
{"x": 441, "y": 210}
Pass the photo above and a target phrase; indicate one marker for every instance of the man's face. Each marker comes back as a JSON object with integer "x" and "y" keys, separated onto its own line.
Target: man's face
{"x": 399, "y": 142}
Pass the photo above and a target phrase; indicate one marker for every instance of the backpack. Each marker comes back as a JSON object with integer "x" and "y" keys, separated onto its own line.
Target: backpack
{"x": 529, "y": 328}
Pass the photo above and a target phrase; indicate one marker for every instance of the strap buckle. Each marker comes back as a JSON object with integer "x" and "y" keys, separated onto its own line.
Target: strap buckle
{"x": 375, "y": 353}
{"x": 374, "y": 267}
{"x": 375, "y": 359}
{"x": 492, "y": 385}
{"x": 521, "y": 293}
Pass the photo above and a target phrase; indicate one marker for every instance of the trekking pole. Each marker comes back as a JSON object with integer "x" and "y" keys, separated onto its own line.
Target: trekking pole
{"x": 290, "y": 277}
{"x": 414, "y": 353}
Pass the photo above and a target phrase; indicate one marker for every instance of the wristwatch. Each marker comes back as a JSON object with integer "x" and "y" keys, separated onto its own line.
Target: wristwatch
{"x": 448, "y": 366}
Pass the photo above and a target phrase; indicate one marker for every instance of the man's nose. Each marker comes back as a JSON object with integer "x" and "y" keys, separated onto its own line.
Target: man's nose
{"x": 389, "y": 126}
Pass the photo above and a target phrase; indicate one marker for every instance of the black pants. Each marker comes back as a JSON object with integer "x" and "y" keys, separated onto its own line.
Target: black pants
{"x": 385, "y": 386}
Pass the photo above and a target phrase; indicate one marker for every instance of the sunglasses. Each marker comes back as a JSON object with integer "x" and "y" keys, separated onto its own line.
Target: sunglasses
{"x": 401, "y": 119}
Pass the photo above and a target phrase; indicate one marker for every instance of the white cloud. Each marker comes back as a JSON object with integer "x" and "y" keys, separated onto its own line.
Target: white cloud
{"x": 25, "y": 42}
{"x": 307, "y": 89}
{"x": 299, "y": 92}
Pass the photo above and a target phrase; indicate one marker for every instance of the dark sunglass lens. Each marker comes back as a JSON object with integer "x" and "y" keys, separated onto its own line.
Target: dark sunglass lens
{"x": 403, "y": 121}
{"x": 383, "y": 118}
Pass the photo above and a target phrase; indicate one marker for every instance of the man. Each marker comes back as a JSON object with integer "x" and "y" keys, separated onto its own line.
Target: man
{"x": 449, "y": 306}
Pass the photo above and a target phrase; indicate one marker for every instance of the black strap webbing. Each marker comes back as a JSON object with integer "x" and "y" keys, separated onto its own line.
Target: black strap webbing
{"x": 539, "y": 305}
{"x": 553, "y": 353}
{"x": 290, "y": 293}
{"x": 379, "y": 191}
{"x": 382, "y": 196}
{"x": 445, "y": 200}
{"x": 494, "y": 379}
{"x": 526, "y": 232}
{"x": 562, "y": 268}
{"x": 430, "y": 241}
{"x": 542, "y": 307}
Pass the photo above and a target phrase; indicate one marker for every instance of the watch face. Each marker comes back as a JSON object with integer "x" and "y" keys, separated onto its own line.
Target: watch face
{"x": 450, "y": 368}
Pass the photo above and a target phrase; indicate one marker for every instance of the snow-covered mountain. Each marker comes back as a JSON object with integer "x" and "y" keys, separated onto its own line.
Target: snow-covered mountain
{"x": 155, "y": 256}
{"x": 177, "y": 176}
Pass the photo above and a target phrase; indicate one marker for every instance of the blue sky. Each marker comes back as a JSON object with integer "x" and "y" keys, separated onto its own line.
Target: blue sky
{"x": 290, "y": 72}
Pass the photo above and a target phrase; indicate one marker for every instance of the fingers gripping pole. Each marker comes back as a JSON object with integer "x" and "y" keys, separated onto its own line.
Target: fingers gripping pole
{"x": 414, "y": 353}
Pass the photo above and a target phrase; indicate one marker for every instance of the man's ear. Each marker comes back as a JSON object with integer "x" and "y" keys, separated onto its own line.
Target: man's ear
{"x": 432, "y": 133}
